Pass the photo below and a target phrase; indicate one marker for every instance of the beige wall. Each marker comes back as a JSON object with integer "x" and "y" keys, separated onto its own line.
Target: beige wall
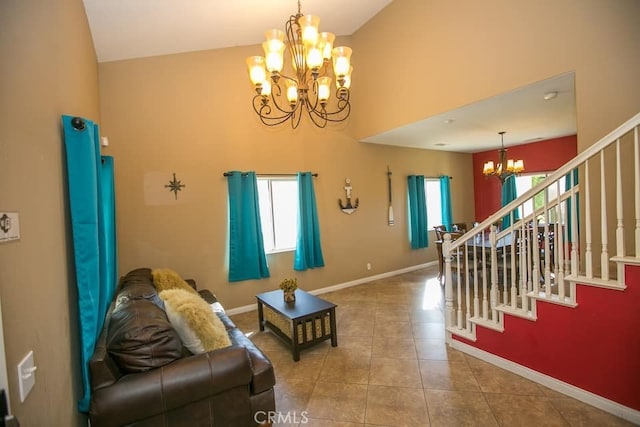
{"x": 191, "y": 114}
{"x": 461, "y": 52}
{"x": 47, "y": 68}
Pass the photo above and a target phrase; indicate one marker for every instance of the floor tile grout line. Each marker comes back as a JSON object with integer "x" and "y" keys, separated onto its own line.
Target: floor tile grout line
{"x": 493, "y": 414}
{"x": 366, "y": 403}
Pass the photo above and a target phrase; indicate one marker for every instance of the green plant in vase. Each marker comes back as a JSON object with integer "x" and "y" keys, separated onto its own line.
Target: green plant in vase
{"x": 289, "y": 286}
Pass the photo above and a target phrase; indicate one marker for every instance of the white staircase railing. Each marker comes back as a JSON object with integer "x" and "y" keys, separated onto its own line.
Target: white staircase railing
{"x": 489, "y": 272}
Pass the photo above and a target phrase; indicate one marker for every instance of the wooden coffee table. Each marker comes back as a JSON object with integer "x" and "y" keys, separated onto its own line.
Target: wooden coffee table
{"x": 301, "y": 323}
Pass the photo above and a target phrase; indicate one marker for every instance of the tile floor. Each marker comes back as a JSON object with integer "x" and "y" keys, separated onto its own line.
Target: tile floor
{"x": 393, "y": 368}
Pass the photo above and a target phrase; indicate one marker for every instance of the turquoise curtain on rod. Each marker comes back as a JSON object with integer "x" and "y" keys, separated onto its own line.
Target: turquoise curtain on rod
{"x": 247, "y": 259}
{"x": 417, "y": 212}
{"x": 110, "y": 253}
{"x": 445, "y": 201}
{"x": 93, "y": 227}
{"x": 308, "y": 248}
{"x": 509, "y": 194}
{"x": 567, "y": 186}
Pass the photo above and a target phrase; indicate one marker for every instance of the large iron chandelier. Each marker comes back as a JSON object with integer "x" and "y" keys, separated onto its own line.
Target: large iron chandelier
{"x": 312, "y": 57}
{"x": 505, "y": 167}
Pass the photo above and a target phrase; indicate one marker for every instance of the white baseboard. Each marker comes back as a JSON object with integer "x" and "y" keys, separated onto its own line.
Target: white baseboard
{"x": 371, "y": 278}
{"x": 332, "y": 288}
{"x": 587, "y": 397}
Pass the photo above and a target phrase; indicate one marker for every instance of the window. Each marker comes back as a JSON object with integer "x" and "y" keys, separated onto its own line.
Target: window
{"x": 278, "y": 199}
{"x": 526, "y": 182}
{"x": 434, "y": 207}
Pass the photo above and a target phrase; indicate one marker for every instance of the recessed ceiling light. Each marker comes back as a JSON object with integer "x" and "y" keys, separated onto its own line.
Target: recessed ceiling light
{"x": 550, "y": 95}
{"x": 447, "y": 121}
{"x": 440, "y": 144}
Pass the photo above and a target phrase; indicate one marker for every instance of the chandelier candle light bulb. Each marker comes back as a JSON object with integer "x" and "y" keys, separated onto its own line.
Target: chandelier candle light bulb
{"x": 327, "y": 39}
{"x": 275, "y": 39}
{"x": 341, "y": 60}
{"x": 309, "y": 25}
{"x": 257, "y": 72}
{"x": 273, "y": 56}
{"x": 312, "y": 57}
{"x": 292, "y": 92}
{"x": 324, "y": 84}
{"x": 266, "y": 88}
{"x": 347, "y": 79}
{"x": 489, "y": 168}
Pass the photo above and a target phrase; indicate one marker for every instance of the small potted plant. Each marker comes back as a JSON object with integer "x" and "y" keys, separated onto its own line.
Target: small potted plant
{"x": 289, "y": 286}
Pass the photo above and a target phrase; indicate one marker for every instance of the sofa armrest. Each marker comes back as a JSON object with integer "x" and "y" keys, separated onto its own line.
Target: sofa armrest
{"x": 192, "y": 283}
{"x": 104, "y": 371}
{"x": 141, "y": 395}
{"x": 208, "y": 296}
{"x": 263, "y": 375}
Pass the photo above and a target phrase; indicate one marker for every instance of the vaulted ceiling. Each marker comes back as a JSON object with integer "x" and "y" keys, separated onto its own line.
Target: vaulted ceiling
{"x": 124, "y": 29}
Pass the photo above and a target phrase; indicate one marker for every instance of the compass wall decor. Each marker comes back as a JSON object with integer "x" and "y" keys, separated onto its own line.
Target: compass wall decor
{"x": 175, "y": 186}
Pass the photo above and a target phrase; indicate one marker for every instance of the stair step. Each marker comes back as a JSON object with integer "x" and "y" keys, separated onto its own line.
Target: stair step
{"x": 517, "y": 312}
{"x": 600, "y": 283}
{"x": 626, "y": 260}
{"x": 554, "y": 299}
{"x": 462, "y": 333}
{"x": 490, "y": 324}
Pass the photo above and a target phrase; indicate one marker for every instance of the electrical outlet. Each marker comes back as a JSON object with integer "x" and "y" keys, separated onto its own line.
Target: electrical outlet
{"x": 26, "y": 375}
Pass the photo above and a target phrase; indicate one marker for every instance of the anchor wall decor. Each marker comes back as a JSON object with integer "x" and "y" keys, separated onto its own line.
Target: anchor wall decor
{"x": 348, "y": 208}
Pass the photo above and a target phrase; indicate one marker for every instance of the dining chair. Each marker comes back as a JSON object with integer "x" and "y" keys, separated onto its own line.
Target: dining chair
{"x": 460, "y": 227}
{"x": 440, "y": 231}
{"x": 464, "y": 260}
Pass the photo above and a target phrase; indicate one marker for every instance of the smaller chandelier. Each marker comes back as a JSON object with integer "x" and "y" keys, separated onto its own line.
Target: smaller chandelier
{"x": 309, "y": 90}
{"x": 505, "y": 168}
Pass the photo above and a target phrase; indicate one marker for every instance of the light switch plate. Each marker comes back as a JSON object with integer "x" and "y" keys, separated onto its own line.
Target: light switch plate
{"x": 26, "y": 375}
{"x": 9, "y": 226}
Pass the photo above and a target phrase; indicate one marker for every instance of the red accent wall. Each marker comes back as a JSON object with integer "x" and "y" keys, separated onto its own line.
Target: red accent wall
{"x": 595, "y": 347}
{"x": 543, "y": 156}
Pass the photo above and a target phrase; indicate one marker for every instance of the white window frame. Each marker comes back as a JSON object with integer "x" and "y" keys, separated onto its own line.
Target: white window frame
{"x": 273, "y": 230}
{"x": 433, "y": 183}
{"x": 527, "y": 208}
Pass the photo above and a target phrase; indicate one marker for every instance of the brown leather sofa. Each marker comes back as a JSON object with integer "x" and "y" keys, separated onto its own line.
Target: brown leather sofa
{"x": 142, "y": 376}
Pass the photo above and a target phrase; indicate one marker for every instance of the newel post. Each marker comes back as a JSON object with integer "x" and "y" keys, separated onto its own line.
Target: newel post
{"x": 448, "y": 287}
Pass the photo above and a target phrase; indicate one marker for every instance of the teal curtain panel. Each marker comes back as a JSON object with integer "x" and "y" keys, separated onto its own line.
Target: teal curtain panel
{"x": 571, "y": 180}
{"x": 109, "y": 253}
{"x": 92, "y": 210}
{"x": 509, "y": 194}
{"x": 308, "y": 248}
{"x": 445, "y": 201}
{"x": 418, "y": 235}
{"x": 247, "y": 259}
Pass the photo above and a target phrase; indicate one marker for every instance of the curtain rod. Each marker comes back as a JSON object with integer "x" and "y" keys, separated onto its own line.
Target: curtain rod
{"x": 437, "y": 177}
{"x": 270, "y": 174}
